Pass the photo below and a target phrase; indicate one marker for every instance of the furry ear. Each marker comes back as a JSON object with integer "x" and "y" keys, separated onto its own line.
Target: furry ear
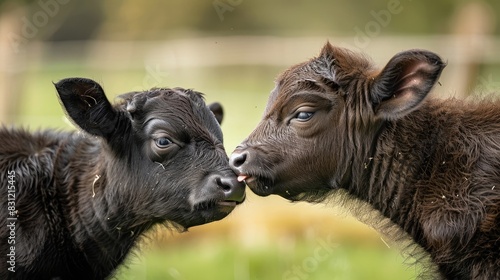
{"x": 405, "y": 82}
{"x": 339, "y": 66}
{"x": 327, "y": 51}
{"x": 324, "y": 64}
{"x": 216, "y": 108}
{"x": 87, "y": 106}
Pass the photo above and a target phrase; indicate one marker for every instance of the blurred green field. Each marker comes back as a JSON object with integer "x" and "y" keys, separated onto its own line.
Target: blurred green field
{"x": 265, "y": 238}
{"x": 305, "y": 259}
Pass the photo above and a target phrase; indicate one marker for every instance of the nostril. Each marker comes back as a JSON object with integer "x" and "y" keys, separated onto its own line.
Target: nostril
{"x": 224, "y": 184}
{"x": 238, "y": 159}
{"x": 233, "y": 190}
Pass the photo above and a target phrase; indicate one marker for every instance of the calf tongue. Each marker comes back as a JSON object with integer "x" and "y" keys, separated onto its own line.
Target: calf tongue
{"x": 242, "y": 178}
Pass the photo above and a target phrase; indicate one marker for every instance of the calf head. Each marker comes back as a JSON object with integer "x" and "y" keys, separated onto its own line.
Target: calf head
{"x": 163, "y": 152}
{"x": 322, "y": 119}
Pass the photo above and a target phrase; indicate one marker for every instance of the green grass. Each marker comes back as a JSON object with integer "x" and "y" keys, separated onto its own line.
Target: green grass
{"x": 313, "y": 259}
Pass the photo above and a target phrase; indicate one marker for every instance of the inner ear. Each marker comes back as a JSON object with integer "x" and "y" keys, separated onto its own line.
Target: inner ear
{"x": 87, "y": 106}
{"x": 405, "y": 82}
{"x": 216, "y": 108}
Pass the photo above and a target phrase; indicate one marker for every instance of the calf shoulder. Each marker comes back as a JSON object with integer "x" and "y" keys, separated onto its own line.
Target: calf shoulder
{"x": 43, "y": 169}
{"x": 449, "y": 154}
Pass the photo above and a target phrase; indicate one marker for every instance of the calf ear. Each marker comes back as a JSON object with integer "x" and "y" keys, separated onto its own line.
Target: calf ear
{"x": 216, "y": 108}
{"x": 87, "y": 106}
{"x": 404, "y": 83}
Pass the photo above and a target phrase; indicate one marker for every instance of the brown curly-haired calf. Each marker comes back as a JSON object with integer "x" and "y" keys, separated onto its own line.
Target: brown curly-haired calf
{"x": 430, "y": 166}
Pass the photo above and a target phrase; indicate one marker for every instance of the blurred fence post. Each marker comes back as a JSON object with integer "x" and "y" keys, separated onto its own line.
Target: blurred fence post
{"x": 11, "y": 57}
{"x": 474, "y": 22}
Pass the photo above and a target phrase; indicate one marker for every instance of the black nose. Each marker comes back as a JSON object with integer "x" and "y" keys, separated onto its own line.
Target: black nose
{"x": 233, "y": 190}
{"x": 238, "y": 159}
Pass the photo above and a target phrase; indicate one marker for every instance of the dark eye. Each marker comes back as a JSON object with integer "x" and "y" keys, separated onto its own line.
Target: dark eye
{"x": 162, "y": 142}
{"x": 304, "y": 116}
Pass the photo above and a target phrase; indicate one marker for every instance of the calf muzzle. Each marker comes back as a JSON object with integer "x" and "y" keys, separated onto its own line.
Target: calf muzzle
{"x": 238, "y": 160}
{"x": 234, "y": 191}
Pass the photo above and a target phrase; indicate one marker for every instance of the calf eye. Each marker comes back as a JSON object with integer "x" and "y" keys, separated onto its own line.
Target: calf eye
{"x": 162, "y": 142}
{"x": 304, "y": 116}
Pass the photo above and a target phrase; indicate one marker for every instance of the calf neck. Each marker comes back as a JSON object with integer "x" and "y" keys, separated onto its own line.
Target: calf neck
{"x": 431, "y": 166}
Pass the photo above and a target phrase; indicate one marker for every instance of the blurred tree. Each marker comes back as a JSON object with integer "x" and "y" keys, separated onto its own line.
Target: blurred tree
{"x": 158, "y": 19}
{"x": 10, "y": 14}
{"x": 69, "y": 20}
{"x": 78, "y": 21}
{"x": 23, "y": 22}
{"x": 127, "y": 20}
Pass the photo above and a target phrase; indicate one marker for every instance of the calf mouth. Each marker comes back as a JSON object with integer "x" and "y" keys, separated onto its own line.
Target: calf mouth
{"x": 207, "y": 211}
{"x": 260, "y": 185}
{"x": 264, "y": 186}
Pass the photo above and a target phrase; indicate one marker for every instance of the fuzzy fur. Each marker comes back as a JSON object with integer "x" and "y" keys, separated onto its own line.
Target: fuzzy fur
{"x": 84, "y": 198}
{"x": 430, "y": 167}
